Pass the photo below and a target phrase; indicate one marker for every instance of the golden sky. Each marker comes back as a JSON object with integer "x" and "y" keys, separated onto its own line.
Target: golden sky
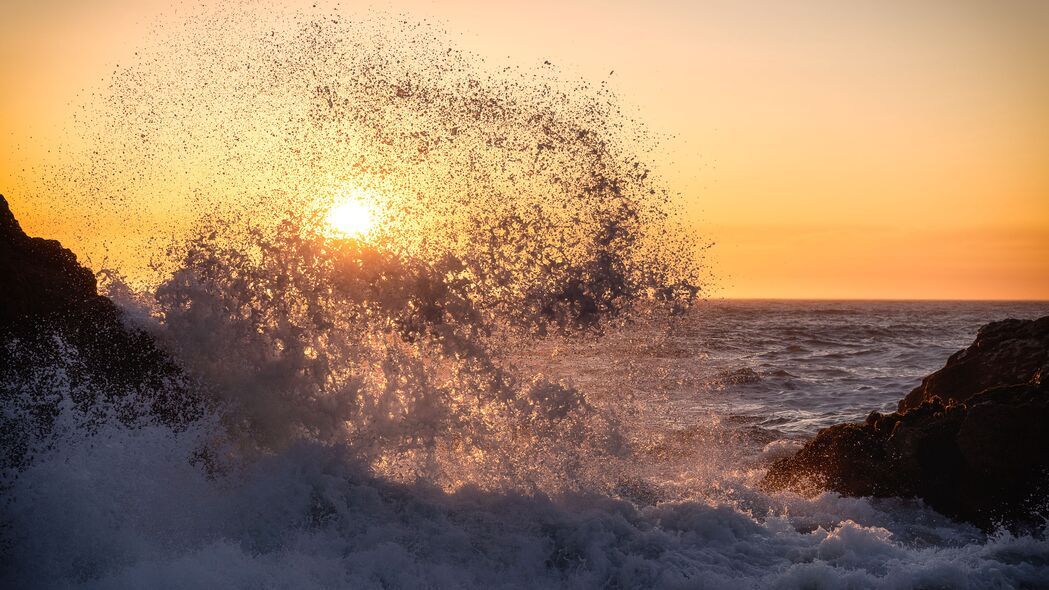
{"x": 882, "y": 149}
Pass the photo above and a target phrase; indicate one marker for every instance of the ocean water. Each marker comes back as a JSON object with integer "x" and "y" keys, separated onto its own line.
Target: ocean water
{"x": 802, "y": 365}
{"x": 125, "y": 507}
{"x": 794, "y": 367}
{"x": 777, "y": 371}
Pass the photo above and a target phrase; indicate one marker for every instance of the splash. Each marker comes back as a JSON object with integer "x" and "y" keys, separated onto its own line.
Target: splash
{"x": 367, "y": 221}
{"x": 250, "y": 114}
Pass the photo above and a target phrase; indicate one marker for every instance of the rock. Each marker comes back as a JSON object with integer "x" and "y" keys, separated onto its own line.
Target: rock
{"x": 51, "y": 315}
{"x": 980, "y": 457}
{"x": 1009, "y": 352}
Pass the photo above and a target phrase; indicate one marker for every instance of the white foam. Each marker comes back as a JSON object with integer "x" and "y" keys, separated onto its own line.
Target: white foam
{"x": 124, "y": 508}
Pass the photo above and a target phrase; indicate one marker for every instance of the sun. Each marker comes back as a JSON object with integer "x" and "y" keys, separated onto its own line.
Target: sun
{"x": 351, "y": 218}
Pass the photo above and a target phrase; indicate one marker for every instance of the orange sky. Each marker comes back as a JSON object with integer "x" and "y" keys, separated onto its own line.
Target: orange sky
{"x": 831, "y": 149}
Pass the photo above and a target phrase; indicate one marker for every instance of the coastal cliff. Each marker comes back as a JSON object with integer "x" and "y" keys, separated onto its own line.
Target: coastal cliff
{"x": 971, "y": 441}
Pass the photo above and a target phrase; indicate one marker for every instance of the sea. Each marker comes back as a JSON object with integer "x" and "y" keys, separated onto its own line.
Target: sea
{"x": 713, "y": 397}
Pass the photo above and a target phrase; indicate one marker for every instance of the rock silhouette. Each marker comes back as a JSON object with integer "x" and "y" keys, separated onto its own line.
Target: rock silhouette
{"x": 971, "y": 441}
{"x": 57, "y": 331}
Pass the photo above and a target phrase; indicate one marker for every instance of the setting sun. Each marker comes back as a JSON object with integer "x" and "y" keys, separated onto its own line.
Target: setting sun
{"x": 351, "y": 218}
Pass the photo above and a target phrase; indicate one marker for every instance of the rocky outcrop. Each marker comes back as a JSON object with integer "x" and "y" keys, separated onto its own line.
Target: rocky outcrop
{"x": 1009, "y": 352}
{"x": 981, "y": 457}
{"x": 41, "y": 279}
{"x": 54, "y": 326}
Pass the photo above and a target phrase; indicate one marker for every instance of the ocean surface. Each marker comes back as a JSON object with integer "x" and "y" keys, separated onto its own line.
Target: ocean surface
{"x": 778, "y": 369}
{"x": 797, "y": 366}
{"x": 712, "y": 398}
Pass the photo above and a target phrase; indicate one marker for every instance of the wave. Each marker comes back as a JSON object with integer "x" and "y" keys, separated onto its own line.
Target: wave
{"x": 127, "y": 507}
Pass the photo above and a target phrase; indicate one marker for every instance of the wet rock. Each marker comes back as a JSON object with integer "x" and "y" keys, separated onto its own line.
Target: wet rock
{"x": 984, "y": 460}
{"x": 56, "y": 331}
{"x": 1009, "y": 352}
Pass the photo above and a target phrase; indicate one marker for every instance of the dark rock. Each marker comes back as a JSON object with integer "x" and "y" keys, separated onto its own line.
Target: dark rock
{"x": 51, "y": 317}
{"x": 984, "y": 460}
{"x": 1009, "y": 352}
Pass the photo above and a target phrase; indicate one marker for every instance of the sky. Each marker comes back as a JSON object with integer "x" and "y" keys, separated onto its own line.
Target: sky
{"x": 870, "y": 150}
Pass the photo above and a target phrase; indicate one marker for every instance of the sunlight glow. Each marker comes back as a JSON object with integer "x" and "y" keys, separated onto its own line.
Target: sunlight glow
{"x": 351, "y": 218}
